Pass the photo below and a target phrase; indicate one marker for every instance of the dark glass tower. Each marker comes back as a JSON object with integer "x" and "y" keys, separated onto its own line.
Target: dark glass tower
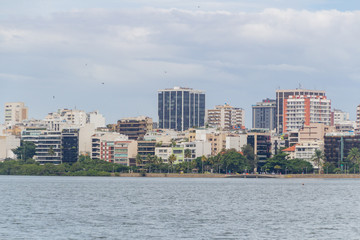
{"x": 181, "y": 108}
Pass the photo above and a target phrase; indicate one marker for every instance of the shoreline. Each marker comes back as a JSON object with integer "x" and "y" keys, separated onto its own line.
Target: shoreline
{"x": 199, "y": 175}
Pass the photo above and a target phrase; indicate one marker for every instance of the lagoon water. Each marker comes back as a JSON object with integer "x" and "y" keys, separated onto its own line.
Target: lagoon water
{"x": 178, "y": 208}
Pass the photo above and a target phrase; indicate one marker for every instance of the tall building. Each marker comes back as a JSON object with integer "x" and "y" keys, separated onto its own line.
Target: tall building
{"x": 358, "y": 117}
{"x": 281, "y": 95}
{"x": 15, "y": 112}
{"x": 181, "y": 108}
{"x": 302, "y": 110}
{"x": 264, "y": 114}
{"x": 226, "y": 117}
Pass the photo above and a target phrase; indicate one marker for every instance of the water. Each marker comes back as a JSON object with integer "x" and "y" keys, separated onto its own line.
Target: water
{"x": 178, "y": 208}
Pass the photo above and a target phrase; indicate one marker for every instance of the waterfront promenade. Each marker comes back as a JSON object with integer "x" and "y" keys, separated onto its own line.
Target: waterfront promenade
{"x": 199, "y": 175}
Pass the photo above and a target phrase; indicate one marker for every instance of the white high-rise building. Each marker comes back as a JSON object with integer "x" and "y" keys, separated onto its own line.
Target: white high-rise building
{"x": 226, "y": 117}
{"x": 15, "y": 112}
{"x": 305, "y": 109}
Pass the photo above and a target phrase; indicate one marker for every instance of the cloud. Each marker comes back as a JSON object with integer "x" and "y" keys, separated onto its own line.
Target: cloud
{"x": 213, "y": 50}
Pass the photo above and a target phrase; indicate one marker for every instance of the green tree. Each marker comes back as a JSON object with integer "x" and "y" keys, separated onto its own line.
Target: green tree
{"x": 172, "y": 159}
{"x": 138, "y": 160}
{"x": 203, "y": 159}
{"x": 187, "y": 155}
{"x": 51, "y": 151}
{"x": 248, "y": 152}
{"x": 25, "y": 151}
{"x": 354, "y": 157}
{"x": 317, "y": 158}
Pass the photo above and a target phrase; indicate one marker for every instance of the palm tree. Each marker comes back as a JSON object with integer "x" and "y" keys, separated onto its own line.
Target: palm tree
{"x": 317, "y": 158}
{"x": 187, "y": 155}
{"x": 354, "y": 156}
{"x": 203, "y": 159}
{"x": 138, "y": 160}
{"x": 172, "y": 159}
{"x": 51, "y": 151}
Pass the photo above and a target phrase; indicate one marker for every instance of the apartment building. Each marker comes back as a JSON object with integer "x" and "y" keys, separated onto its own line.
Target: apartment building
{"x": 264, "y": 114}
{"x": 15, "y": 112}
{"x": 282, "y": 95}
{"x": 302, "y": 110}
{"x": 226, "y": 117}
{"x": 134, "y": 128}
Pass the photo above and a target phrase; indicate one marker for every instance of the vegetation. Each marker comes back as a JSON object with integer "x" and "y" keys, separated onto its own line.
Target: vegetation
{"x": 279, "y": 164}
{"x": 354, "y": 157}
{"x": 227, "y": 161}
{"x": 25, "y": 151}
{"x": 317, "y": 158}
{"x": 84, "y": 167}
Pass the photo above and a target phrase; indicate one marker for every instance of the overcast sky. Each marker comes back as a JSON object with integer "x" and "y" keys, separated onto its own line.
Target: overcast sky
{"x": 57, "y": 54}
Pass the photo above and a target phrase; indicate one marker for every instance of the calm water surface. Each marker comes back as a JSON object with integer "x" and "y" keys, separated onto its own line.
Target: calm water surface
{"x": 178, "y": 208}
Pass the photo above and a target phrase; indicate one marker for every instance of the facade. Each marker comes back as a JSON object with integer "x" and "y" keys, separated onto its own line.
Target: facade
{"x": 15, "y": 112}
{"x": 57, "y": 146}
{"x": 226, "y": 117}
{"x": 261, "y": 143}
{"x": 281, "y": 95}
{"x": 358, "y": 117}
{"x": 306, "y": 150}
{"x": 264, "y": 114}
{"x": 120, "y": 152}
{"x": 337, "y": 146}
{"x": 302, "y": 110}
{"x": 48, "y": 148}
{"x": 345, "y": 126}
{"x": 134, "y": 128}
{"x": 146, "y": 148}
{"x": 236, "y": 142}
{"x": 97, "y": 119}
{"x": 70, "y": 145}
{"x": 7, "y": 144}
{"x": 217, "y": 141}
{"x": 181, "y": 108}
{"x": 340, "y": 116}
{"x": 103, "y": 146}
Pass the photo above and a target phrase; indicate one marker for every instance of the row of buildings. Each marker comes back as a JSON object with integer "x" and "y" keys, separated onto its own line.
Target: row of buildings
{"x": 298, "y": 121}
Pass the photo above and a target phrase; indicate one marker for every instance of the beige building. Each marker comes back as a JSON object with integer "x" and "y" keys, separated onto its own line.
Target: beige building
{"x": 15, "y": 112}
{"x": 314, "y": 132}
{"x": 226, "y": 117}
{"x": 218, "y": 142}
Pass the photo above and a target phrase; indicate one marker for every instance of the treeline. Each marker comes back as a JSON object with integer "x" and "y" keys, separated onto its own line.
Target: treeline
{"x": 84, "y": 167}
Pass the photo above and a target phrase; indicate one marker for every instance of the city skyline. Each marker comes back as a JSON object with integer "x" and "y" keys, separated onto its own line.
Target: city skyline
{"x": 114, "y": 57}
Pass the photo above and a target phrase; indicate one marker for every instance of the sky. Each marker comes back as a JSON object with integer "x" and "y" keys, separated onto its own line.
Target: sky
{"x": 113, "y": 56}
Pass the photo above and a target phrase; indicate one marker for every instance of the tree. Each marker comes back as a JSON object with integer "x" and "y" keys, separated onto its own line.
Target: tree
{"x": 187, "y": 155}
{"x": 172, "y": 159}
{"x": 354, "y": 157}
{"x": 203, "y": 159}
{"x": 138, "y": 160}
{"x": 317, "y": 158}
{"x": 25, "y": 151}
{"x": 248, "y": 152}
{"x": 51, "y": 151}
